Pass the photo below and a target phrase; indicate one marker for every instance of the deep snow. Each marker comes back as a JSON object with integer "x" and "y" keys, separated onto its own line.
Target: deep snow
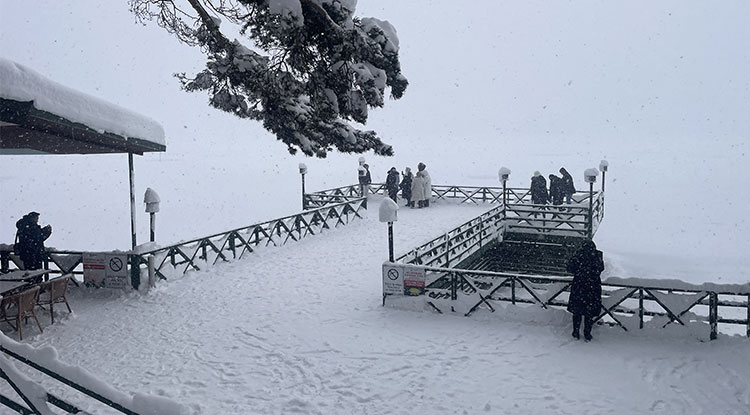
{"x": 301, "y": 329}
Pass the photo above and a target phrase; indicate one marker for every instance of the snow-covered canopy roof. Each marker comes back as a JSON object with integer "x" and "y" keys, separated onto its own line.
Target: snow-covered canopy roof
{"x": 40, "y": 116}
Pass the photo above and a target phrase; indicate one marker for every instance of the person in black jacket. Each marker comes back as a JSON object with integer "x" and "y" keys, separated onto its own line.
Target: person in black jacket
{"x": 406, "y": 187}
{"x": 30, "y": 239}
{"x": 538, "y": 191}
{"x": 568, "y": 187}
{"x": 585, "y": 299}
{"x": 556, "y": 193}
{"x": 391, "y": 183}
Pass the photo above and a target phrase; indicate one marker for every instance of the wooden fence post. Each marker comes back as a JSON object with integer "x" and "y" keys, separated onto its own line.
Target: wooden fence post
{"x": 640, "y": 307}
{"x": 713, "y": 313}
{"x": 454, "y": 284}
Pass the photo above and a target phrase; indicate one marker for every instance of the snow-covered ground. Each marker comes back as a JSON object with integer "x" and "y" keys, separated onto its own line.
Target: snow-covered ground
{"x": 301, "y": 329}
{"x": 661, "y": 90}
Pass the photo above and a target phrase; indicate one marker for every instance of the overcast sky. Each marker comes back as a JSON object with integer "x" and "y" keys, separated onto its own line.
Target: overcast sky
{"x": 661, "y": 89}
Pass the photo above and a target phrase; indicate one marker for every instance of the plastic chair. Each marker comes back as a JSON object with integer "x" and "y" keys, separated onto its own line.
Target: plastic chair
{"x": 53, "y": 292}
{"x": 24, "y": 303}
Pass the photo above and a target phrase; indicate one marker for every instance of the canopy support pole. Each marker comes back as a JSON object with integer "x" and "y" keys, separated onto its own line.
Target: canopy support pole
{"x": 131, "y": 176}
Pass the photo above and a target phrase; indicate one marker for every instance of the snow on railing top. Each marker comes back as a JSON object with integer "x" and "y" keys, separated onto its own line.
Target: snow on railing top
{"x": 20, "y": 83}
{"x": 675, "y": 284}
{"x": 47, "y": 358}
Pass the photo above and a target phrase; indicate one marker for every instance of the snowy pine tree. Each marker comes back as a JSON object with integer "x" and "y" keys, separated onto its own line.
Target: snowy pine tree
{"x": 311, "y": 70}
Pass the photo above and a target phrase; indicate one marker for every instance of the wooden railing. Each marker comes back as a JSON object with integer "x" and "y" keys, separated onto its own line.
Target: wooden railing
{"x": 465, "y": 240}
{"x": 236, "y": 243}
{"x": 459, "y": 243}
{"x": 465, "y": 194}
{"x": 210, "y": 249}
{"x": 624, "y": 305}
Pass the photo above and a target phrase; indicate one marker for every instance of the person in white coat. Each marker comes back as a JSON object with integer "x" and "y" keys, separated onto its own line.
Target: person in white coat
{"x": 417, "y": 190}
{"x": 427, "y": 184}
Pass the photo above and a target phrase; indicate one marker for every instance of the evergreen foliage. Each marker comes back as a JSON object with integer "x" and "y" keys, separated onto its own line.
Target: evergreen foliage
{"x": 311, "y": 71}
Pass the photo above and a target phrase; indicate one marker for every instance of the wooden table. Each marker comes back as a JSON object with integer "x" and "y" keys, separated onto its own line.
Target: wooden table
{"x": 14, "y": 281}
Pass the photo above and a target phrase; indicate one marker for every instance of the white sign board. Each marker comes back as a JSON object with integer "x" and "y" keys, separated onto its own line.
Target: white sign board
{"x": 105, "y": 270}
{"x": 414, "y": 280}
{"x": 393, "y": 279}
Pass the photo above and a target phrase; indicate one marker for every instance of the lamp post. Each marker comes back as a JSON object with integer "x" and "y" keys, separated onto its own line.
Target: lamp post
{"x": 504, "y": 173}
{"x": 151, "y": 199}
{"x": 388, "y": 213}
{"x": 590, "y": 177}
{"x": 302, "y": 172}
{"x": 603, "y": 165}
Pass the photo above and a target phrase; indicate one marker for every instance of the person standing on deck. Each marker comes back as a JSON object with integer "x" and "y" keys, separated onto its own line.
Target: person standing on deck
{"x": 427, "y": 184}
{"x": 391, "y": 184}
{"x": 30, "y": 239}
{"x": 585, "y": 301}
{"x": 567, "y": 185}
{"x": 364, "y": 179}
{"x": 406, "y": 187}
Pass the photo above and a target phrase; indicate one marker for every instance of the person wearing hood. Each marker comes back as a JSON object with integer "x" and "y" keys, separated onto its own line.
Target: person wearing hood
{"x": 391, "y": 183}
{"x": 427, "y": 184}
{"x": 585, "y": 301}
{"x": 538, "y": 189}
{"x": 30, "y": 239}
{"x": 567, "y": 185}
{"x": 406, "y": 186}
{"x": 556, "y": 193}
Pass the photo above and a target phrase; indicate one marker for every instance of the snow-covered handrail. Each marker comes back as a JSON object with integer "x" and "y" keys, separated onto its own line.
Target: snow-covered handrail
{"x": 624, "y": 301}
{"x": 236, "y": 242}
{"x": 46, "y": 361}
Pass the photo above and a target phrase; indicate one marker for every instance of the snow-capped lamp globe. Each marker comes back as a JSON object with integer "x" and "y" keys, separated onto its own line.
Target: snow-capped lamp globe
{"x": 590, "y": 175}
{"x": 361, "y": 161}
{"x": 302, "y": 172}
{"x": 503, "y": 173}
{"x": 151, "y": 199}
{"x": 603, "y": 166}
{"x": 388, "y": 212}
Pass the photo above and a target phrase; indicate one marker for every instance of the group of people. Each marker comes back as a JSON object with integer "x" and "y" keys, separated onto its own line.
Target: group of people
{"x": 416, "y": 189}
{"x": 560, "y": 188}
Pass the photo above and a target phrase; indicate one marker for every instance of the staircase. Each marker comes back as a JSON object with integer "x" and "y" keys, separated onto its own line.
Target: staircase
{"x": 527, "y": 254}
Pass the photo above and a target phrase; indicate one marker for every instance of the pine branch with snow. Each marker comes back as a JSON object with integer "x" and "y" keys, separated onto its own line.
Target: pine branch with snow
{"x": 310, "y": 71}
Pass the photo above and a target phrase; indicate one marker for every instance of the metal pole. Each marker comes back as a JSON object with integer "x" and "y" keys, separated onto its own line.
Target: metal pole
{"x": 304, "y": 205}
{"x": 591, "y": 210}
{"x": 131, "y": 176}
{"x": 390, "y": 241}
{"x": 505, "y": 195}
{"x": 604, "y": 177}
{"x": 153, "y": 226}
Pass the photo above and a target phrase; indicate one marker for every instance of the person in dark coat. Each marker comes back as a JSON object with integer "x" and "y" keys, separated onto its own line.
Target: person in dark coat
{"x": 538, "y": 189}
{"x": 406, "y": 186}
{"x": 391, "y": 183}
{"x": 30, "y": 239}
{"x": 556, "y": 193}
{"x": 567, "y": 185}
{"x": 539, "y": 194}
{"x": 585, "y": 299}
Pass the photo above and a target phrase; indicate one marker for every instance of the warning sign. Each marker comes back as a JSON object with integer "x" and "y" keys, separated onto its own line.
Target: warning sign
{"x": 414, "y": 279}
{"x": 105, "y": 270}
{"x": 393, "y": 279}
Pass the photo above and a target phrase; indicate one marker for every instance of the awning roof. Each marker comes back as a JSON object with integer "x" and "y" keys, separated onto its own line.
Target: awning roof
{"x": 39, "y": 116}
